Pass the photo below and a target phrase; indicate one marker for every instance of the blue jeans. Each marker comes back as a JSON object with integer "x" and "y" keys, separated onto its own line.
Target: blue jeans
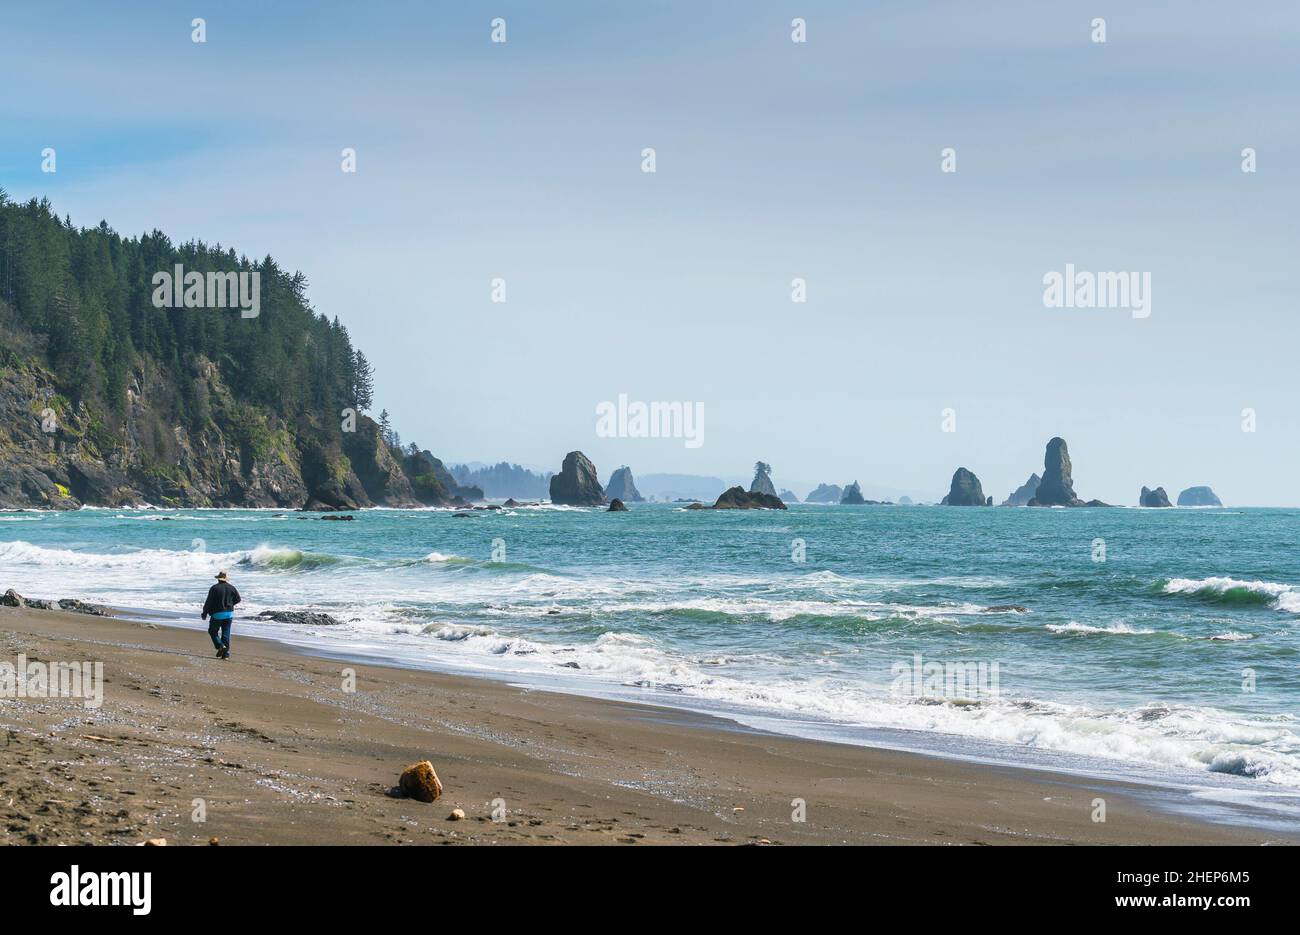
{"x": 222, "y": 626}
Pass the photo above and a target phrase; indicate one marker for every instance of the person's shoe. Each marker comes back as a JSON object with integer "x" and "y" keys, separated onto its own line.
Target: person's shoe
{"x": 219, "y": 654}
{"x": 224, "y": 654}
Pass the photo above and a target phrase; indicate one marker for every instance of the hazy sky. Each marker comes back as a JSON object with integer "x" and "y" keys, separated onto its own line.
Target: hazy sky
{"x": 775, "y": 160}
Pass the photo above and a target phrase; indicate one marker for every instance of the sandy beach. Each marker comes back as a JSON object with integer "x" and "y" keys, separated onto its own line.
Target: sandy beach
{"x": 279, "y": 753}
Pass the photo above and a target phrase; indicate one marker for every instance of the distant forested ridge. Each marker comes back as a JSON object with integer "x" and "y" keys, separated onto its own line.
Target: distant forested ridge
{"x": 505, "y": 480}
{"x": 106, "y": 399}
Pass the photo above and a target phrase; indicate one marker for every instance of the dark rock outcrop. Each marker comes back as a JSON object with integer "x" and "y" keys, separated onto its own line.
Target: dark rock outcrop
{"x": 965, "y": 490}
{"x": 622, "y": 487}
{"x": 1153, "y": 498}
{"x": 1057, "y": 485}
{"x": 762, "y": 482}
{"x": 825, "y": 493}
{"x": 788, "y": 496}
{"x": 737, "y": 498}
{"x": 1024, "y": 493}
{"x": 617, "y": 506}
{"x": 853, "y": 495}
{"x": 1198, "y": 496}
{"x": 305, "y": 618}
{"x": 577, "y": 484}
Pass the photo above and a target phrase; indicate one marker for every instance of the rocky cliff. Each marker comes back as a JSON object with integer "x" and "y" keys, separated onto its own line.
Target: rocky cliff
{"x": 853, "y": 495}
{"x": 108, "y": 399}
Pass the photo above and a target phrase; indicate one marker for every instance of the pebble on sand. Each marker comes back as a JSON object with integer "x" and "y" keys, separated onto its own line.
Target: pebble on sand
{"x": 420, "y": 782}
{"x": 457, "y": 814}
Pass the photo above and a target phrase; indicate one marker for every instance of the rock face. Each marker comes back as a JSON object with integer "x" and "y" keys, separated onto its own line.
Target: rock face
{"x": 1024, "y": 493}
{"x": 236, "y": 457}
{"x": 420, "y": 782}
{"x": 788, "y": 496}
{"x": 826, "y": 493}
{"x": 762, "y": 482}
{"x": 853, "y": 495}
{"x": 738, "y": 499}
{"x": 965, "y": 490}
{"x": 617, "y": 506}
{"x": 1198, "y": 496}
{"x": 577, "y": 484}
{"x": 621, "y": 486}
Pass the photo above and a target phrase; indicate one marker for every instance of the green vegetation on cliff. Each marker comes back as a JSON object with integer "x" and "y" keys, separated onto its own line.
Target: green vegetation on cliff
{"x": 116, "y": 401}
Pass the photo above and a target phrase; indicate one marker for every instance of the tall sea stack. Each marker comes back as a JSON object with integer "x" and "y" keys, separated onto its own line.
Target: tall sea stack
{"x": 621, "y": 486}
{"x": 762, "y": 482}
{"x": 1057, "y": 486}
{"x": 577, "y": 484}
{"x": 853, "y": 495}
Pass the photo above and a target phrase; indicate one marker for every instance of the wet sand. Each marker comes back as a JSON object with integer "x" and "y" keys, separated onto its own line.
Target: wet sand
{"x": 269, "y": 748}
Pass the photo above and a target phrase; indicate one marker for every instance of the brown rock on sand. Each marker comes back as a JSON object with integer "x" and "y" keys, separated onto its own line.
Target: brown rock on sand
{"x": 420, "y": 782}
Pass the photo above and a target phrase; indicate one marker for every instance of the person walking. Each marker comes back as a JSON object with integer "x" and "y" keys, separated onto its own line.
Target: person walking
{"x": 220, "y": 606}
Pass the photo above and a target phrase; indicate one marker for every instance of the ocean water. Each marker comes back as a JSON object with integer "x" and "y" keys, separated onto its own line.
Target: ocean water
{"x": 1176, "y": 657}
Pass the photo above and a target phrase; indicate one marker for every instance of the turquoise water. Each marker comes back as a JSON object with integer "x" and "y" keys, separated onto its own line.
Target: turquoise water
{"x": 1142, "y": 662}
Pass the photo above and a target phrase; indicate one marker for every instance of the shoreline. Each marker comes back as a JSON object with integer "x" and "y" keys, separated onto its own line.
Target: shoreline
{"x": 280, "y": 753}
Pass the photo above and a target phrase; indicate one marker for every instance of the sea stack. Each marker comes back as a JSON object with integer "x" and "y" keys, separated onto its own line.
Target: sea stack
{"x": 788, "y": 496}
{"x": 1198, "y": 496}
{"x": 1057, "y": 485}
{"x": 762, "y": 482}
{"x": 1024, "y": 493}
{"x": 1056, "y": 488}
{"x": 853, "y": 495}
{"x": 621, "y": 486}
{"x": 577, "y": 484}
{"x": 1154, "y": 498}
{"x": 825, "y": 493}
{"x": 616, "y": 506}
{"x": 965, "y": 490}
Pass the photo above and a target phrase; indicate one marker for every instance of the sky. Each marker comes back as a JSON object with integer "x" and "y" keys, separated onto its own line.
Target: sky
{"x": 774, "y": 161}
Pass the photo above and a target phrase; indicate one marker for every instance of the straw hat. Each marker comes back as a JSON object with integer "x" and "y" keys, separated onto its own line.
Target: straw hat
{"x": 221, "y": 576}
